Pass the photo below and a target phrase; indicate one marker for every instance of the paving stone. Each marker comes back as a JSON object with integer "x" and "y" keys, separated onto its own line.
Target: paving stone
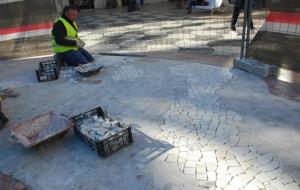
{"x": 209, "y": 154}
{"x": 230, "y": 187}
{"x": 190, "y": 164}
{"x": 209, "y": 184}
{"x": 209, "y": 160}
{"x": 245, "y": 165}
{"x": 254, "y": 171}
{"x": 189, "y": 171}
{"x": 181, "y": 160}
{"x": 270, "y": 187}
{"x": 236, "y": 170}
{"x": 201, "y": 169}
{"x": 181, "y": 166}
{"x": 211, "y": 176}
{"x": 247, "y": 157}
{"x": 265, "y": 177}
{"x": 202, "y": 176}
{"x": 237, "y": 182}
{"x": 220, "y": 155}
{"x": 251, "y": 186}
{"x": 211, "y": 167}
{"x": 193, "y": 156}
{"x": 232, "y": 163}
{"x": 173, "y": 151}
{"x": 265, "y": 158}
{"x": 222, "y": 170}
{"x": 277, "y": 183}
{"x": 230, "y": 156}
{"x": 292, "y": 186}
{"x": 270, "y": 166}
{"x": 223, "y": 180}
{"x": 183, "y": 149}
{"x": 183, "y": 155}
{"x": 233, "y": 140}
{"x": 245, "y": 178}
{"x": 172, "y": 158}
{"x": 286, "y": 179}
{"x": 210, "y": 148}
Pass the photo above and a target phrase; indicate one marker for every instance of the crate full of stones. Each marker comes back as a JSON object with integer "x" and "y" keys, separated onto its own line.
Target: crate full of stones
{"x": 102, "y": 133}
{"x": 48, "y": 71}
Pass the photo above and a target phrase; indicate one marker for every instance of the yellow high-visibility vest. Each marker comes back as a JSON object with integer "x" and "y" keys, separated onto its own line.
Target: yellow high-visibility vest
{"x": 71, "y": 34}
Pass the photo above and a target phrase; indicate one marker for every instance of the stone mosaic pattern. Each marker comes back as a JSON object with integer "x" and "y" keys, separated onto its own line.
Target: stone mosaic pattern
{"x": 205, "y": 137}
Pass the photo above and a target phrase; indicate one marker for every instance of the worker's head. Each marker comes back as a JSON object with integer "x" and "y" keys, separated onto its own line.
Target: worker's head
{"x": 70, "y": 12}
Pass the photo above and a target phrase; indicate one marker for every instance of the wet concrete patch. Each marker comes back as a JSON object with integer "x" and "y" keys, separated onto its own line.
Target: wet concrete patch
{"x": 235, "y": 43}
{"x": 283, "y": 89}
{"x": 200, "y": 51}
{"x": 208, "y": 37}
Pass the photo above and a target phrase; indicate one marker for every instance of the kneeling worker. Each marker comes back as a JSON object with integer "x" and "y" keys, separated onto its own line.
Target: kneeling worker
{"x": 65, "y": 42}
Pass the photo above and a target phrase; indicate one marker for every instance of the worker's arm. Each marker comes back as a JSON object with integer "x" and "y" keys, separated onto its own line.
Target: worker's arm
{"x": 59, "y": 32}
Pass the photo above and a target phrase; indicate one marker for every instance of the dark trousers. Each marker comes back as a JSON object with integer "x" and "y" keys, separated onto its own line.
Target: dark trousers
{"x": 75, "y": 58}
{"x": 238, "y": 6}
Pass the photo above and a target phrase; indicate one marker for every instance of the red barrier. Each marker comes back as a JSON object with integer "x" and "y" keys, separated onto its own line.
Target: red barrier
{"x": 284, "y": 17}
{"x": 26, "y": 28}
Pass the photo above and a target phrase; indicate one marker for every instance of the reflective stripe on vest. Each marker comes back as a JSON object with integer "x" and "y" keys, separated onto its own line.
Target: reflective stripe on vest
{"x": 71, "y": 35}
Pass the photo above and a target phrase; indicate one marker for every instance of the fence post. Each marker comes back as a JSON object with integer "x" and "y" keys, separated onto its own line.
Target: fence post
{"x": 249, "y": 20}
{"x": 245, "y": 24}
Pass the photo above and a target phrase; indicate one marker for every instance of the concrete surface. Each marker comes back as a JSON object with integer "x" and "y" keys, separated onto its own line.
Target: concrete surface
{"x": 197, "y": 126}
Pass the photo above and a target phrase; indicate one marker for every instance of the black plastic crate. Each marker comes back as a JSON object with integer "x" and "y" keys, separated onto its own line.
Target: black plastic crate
{"x": 46, "y": 65}
{"x": 46, "y": 75}
{"x": 109, "y": 145}
{"x": 47, "y": 71}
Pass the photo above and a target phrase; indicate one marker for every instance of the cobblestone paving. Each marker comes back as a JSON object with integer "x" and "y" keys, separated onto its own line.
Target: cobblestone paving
{"x": 206, "y": 136}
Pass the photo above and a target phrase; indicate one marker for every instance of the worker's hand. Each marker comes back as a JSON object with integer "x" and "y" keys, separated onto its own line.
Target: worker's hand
{"x": 80, "y": 43}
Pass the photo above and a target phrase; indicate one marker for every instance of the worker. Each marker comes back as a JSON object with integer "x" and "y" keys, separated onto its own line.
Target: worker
{"x": 238, "y": 5}
{"x": 65, "y": 41}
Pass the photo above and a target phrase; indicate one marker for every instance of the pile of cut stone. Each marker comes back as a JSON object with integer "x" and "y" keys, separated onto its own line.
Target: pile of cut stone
{"x": 97, "y": 128}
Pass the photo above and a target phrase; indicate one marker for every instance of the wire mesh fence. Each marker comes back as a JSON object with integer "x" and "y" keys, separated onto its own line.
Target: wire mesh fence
{"x": 161, "y": 27}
